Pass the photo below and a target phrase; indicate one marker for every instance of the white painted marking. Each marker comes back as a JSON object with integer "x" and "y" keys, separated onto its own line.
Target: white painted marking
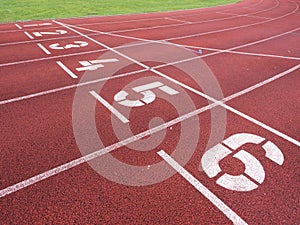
{"x": 109, "y": 107}
{"x": 210, "y": 159}
{"x": 218, "y": 51}
{"x": 89, "y": 67}
{"x": 149, "y": 19}
{"x": 94, "y": 64}
{"x": 145, "y": 90}
{"x": 245, "y": 15}
{"x": 76, "y": 162}
{"x": 234, "y": 28}
{"x": 148, "y": 97}
{"x": 28, "y": 182}
{"x": 181, "y": 37}
{"x": 168, "y": 90}
{"x": 77, "y": 44}
{"x": 284, "y": 136}
{"x": 49, "y": 58}
{"x": 85, "y": 63}
{"x": 177, "y": 20}
{"x": 120, "y": 47}
{"x": 44, "y": 49}
{"x": 37, "y": 25}
{"x": 64, "y": 167}
{"x": 147, "y": 86}
{"x": 28, "y": 35}
{"x": 262, "y": 83}
{"x": 220, "y": 103}
{"x": 55, "y": 90}
{"x": 18, "y": 26}
{"x": 56, "y": 46}
{"x": 236, "y": 183}
{"x": 57, "y": 32}
{"x": 253, "y": 167}
{"x": 104, "y": 61}
{"x": 273, "y": 153}
{"x": 237, "y": 140}
{"x": 236, "y": 219}
{"x": 159, "y": 18}
{"x": 260, "y": 124}
{"x": 67, "y": 70}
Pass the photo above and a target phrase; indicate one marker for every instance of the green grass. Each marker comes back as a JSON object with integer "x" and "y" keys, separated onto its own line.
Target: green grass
{"x": 14, "y": 10}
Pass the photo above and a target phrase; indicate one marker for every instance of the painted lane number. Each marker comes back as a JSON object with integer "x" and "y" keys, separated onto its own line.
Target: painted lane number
{"x": 57, "y": 32}
{"x": 254, "y": 171}
{"x": 76, "y": 44}
{"x": 148, "y": 95}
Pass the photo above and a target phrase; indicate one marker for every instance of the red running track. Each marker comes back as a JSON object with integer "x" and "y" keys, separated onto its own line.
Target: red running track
{"x": 67, "y": 157}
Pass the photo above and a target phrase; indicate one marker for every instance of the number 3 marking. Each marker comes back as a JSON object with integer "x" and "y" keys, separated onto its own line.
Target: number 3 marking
{"x": 77, "y": 44}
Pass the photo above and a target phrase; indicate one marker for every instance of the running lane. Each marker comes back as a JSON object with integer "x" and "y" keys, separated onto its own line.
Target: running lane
{"x": 116, "y": 132}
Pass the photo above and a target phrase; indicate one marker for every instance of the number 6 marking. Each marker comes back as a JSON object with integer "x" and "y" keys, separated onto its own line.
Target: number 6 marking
{"x": 253, "y": 168}
{"x": 148, "y": 96}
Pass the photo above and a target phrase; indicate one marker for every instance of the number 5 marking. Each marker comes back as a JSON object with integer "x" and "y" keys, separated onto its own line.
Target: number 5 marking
{"x": 148, "y": 95}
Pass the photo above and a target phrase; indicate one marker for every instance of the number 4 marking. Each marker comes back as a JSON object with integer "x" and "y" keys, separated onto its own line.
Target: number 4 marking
{"x": 148, "y": 95}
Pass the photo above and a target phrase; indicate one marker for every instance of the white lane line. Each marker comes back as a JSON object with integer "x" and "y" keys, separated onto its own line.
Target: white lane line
{"x": 229, "y": 50}
{"x": 263, "y": 40}
{"x": 164, "y": 41}
{"x": 260, "y": 124}
{"x": 127, "y": 30}
{"x": 257, "y": 12}
{"x": 177, "y": 20}
{"x": 49, "y": 58}
{"x": 200, "y": 22}
{"x": 245, "y": 15}
{"x": 119, "y": 47}
{"x": 18, "y": 26}
{"x": 220, "y": 103}
{"x": 101, "y": 44}
{"x": 100, "y": 152}
{"x": 67, "y": 70}
{"x": 154, "y": 27}
{"x": 26, "y": 97}
{"x": 133, "y": 38}
{"x": 44, "y": 40}
{"x": 240, "y": 52}
{"x": 44, "y": 49}
{"x": 109, "y": 107}
{"x": 37, "y": 25}
{"x": 284, "y": 136}
{"x": 170, "y": 25}
{"x": 260, "y": 54}
{"x": 155, "y": 18}
{"x": 38, "y": 94}
{"x": 235, "y": 218}
{"x": 146, "y": 40}
{"x": 235, "y": 28}
{"x": 35, "y": 179}
{"x": 260, "y": 84}
{"x": 28, "y": 35}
